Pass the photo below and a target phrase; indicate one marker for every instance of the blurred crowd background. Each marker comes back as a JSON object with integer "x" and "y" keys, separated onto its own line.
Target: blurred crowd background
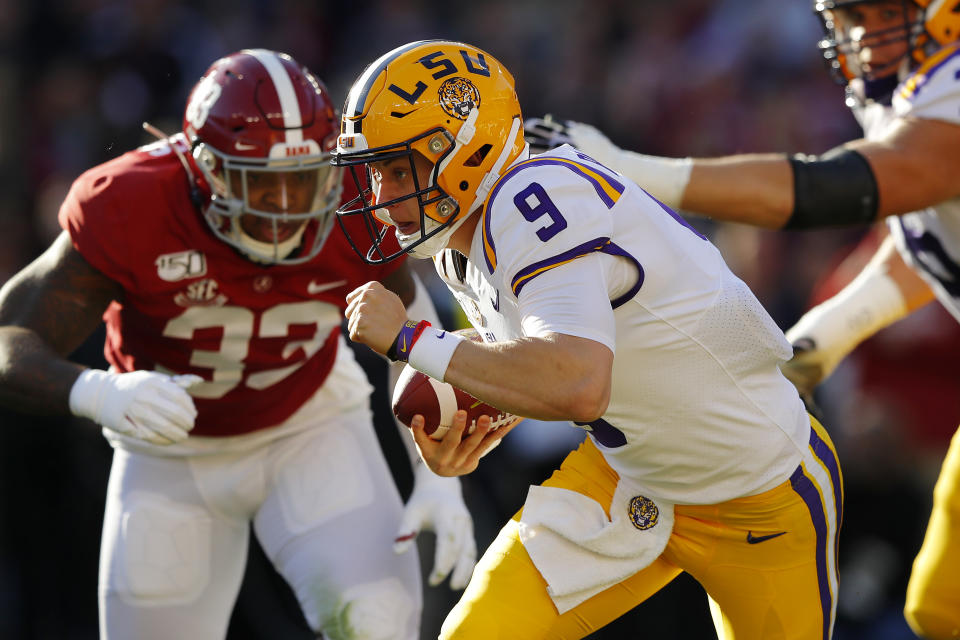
{"x": 686, "y": 77}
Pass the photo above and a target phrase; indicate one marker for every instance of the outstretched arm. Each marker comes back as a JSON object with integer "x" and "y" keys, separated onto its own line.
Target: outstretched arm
{"x": 911, "y": 167}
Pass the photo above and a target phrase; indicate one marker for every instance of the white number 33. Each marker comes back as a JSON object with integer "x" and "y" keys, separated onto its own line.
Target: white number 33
{"x": 237, "y": 323}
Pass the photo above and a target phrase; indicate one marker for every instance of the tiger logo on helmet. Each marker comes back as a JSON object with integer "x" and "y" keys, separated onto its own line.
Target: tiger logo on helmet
{"x": 872, "y": 62}
{"x": 453, "y": 104}
{"x": 458, "y": 96}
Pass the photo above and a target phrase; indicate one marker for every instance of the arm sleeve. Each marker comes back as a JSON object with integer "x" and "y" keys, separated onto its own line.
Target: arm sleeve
{"x": 549, "y": 224}
{"x": 572, "y": 300}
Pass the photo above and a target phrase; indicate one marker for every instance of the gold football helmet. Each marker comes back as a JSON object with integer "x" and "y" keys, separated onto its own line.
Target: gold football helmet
{"x": 925, "y": 25}
{"x": 451, "y": 102}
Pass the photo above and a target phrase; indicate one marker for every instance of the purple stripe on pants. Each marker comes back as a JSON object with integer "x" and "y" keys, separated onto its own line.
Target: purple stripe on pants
{"x": 811, "y": 496}
{"x": 825, "y": 454}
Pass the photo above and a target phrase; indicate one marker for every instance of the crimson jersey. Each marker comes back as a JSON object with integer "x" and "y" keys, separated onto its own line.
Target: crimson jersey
{"x": 263, "y": 337}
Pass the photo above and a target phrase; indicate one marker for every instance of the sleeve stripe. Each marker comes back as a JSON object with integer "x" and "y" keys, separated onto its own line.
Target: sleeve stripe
{"x": 608, "y": 188}
{"x": 529, "y": 273}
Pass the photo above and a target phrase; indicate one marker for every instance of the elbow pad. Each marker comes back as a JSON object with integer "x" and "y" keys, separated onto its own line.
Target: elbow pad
{"x": 833, "y": 190}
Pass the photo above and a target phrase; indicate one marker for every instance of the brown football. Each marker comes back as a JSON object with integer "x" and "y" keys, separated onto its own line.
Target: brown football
{"x": 418, "y": 393}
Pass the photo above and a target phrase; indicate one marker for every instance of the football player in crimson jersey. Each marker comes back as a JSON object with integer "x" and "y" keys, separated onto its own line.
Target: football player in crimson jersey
{"x": 214, "y": 259}
{"x": 599, "y": 306}
{"x": 900, "y": 63}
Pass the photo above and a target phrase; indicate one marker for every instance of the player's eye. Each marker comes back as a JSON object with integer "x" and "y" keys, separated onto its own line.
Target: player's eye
{"x": 889, "y": 15}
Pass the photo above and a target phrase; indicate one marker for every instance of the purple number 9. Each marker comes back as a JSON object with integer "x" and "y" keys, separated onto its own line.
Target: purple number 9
{"x": 543, "y": 206}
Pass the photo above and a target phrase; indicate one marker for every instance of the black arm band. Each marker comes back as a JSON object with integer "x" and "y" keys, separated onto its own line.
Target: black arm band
{"x": 833, "y": 190}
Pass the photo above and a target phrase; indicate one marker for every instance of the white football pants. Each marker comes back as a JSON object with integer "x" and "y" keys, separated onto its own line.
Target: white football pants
{"x": 324, "y": 507}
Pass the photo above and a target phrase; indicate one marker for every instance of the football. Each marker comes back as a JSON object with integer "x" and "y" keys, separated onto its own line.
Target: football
{"x": 418, "y": 393}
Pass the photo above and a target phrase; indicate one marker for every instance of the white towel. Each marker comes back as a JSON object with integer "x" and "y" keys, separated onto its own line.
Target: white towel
{"x": 578, "y": 551}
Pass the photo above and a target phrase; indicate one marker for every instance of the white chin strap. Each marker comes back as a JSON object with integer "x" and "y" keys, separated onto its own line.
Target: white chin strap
{"x": 493, "y": 175}
{"x": 439, "y": 242}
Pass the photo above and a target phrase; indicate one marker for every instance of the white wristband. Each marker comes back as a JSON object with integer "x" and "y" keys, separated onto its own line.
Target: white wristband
{"x": 432, "y": 351}
{"x": 86, "y": 394}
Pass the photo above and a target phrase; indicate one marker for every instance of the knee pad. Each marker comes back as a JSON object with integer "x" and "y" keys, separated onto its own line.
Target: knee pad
{"x": 374, "y": 611}
{"x": 163, "y": 552}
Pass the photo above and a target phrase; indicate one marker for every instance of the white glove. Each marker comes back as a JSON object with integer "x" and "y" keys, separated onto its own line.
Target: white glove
{"x": 664, "y": 178}
{"x": 436, "y": 504}
{"x": 147, "y": 405}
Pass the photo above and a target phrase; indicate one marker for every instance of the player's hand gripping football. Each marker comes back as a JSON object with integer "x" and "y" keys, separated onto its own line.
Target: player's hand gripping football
{"x": 147, "y": 405}
{"x": 458, "y": 452}
{"x": 436, "y": 504}
{"x": 374, "y": 316}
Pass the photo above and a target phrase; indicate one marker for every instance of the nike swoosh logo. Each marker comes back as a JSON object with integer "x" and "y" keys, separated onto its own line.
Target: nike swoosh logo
{"x": 314, "y": 287}
{"x": 751, "y": 539}
{"x": 441, "y": 334}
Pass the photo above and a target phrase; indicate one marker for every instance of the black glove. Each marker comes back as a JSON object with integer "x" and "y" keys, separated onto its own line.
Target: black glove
{"x": 544, "y": 134}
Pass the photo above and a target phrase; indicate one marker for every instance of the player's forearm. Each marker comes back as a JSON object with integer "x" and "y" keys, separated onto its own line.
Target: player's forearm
{"x": 33, "y": 378}
{"x": 556, "y": 378}
{"x": 753, "y": 189}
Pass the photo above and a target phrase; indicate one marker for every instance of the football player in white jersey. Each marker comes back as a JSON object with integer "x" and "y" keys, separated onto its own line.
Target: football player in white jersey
{"x": 598, "y": 305}
{"x": 900, "y": 62}
{"x": 232, "y": 398}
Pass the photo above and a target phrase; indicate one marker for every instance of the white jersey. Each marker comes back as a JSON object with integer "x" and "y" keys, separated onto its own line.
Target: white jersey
{"x": 699, "y": 412}
{"x": 929, "y": 240}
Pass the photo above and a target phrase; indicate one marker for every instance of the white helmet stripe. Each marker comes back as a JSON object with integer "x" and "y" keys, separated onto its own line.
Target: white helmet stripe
{"x": 292, "y": 118}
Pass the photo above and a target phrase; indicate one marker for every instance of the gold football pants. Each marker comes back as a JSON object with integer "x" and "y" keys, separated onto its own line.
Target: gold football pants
{"x": 768, "y": 562}
{"x": 933, "y": 594}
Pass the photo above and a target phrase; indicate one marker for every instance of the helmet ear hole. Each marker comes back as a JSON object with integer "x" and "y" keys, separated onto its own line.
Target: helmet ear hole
{"x": 478, "y": 156}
